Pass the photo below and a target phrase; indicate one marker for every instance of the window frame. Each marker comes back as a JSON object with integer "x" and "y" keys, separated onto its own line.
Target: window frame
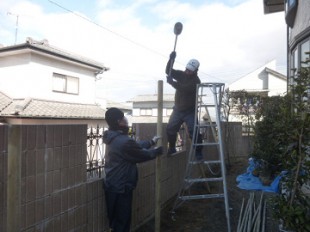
{"x": 146, "y": 112}
{"x": 67, "y": 86}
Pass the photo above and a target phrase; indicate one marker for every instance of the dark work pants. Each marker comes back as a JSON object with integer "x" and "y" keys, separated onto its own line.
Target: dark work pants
{"x": 177, "y": 118}
{"x": 119, "y": 210}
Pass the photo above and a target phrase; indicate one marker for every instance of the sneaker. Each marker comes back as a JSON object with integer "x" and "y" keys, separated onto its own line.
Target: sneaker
{"x": 171, "y": 150}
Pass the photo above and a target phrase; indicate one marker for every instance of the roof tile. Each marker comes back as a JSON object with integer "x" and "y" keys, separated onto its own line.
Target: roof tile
{"x": 36, "y": 108}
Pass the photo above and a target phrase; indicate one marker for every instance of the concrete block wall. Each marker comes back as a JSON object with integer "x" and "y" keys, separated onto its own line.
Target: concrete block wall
{"x": 53, "y": 191}
{"x": 172, "y": 170}
{"x": 53, "y": 187}
{"x": 55, "y": 194}
{"x": 95, "y": 211}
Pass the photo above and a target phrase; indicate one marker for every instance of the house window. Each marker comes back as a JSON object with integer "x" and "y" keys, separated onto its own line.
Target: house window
{"x": 304, "y": 48}
{"x": 65, "y": 84}
{"x": 146, "y": 112}
{"x": 293, "y": 66}
{"x": 299, "y": 55}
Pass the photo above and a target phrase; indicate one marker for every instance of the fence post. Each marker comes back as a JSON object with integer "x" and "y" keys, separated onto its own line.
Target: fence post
{"x": 158, "y": 159}
{"x": 14, "y": 178}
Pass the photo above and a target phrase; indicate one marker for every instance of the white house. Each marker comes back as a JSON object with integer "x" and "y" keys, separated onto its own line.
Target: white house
{"x": 39, "y": 81}
{"x": 144, "y": 108}
{"x": 262, "y": 80}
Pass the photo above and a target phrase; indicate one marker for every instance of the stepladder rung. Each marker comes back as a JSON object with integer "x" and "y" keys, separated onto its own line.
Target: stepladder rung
{"x": 202, "y": 196}
{"x": 201, "y": 180}
{"x": 206, "y": 162}
{"x": 207, "y": 105}
{"x": 206, "y": 144}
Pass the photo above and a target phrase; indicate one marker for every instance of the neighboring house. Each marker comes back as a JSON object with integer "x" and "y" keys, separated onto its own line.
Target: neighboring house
{"x": 144, "y": 108}
{"x": 297, "y": 18}
{"x": 263, "y": 80}
{"x": 125, "y": 107}
{"x": 41, "y": 82}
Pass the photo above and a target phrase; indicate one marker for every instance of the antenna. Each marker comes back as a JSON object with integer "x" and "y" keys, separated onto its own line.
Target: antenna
{"x": 16, "y": 25}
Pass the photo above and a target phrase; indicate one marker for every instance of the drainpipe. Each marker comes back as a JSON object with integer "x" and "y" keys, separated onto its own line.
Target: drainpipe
{"x": 158, "y": 158}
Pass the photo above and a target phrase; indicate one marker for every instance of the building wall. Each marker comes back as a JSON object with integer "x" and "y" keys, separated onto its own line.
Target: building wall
{"x": 33, "y": 70}
{"x": 302, "y": 20}
{"x": 298, "y": 39}
{"x": 276, "y": 86}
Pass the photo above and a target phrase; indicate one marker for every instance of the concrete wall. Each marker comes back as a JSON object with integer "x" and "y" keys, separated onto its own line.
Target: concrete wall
{"x": 51, "y": 192}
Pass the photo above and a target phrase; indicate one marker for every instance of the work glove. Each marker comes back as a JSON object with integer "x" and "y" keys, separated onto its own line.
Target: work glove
{"x": 169, "y": 80}
{"x": 173, "y": 55}
{"x": 158, "y": 150}
{"x": 155, "y": 139}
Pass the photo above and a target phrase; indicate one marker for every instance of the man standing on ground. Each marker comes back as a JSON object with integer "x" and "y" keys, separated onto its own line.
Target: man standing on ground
{"x": 120, "y": 171}
{"x": 185, "y": 83}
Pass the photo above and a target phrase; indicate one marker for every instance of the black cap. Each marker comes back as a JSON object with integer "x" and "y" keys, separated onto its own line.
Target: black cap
{"x": 112, "y": 116}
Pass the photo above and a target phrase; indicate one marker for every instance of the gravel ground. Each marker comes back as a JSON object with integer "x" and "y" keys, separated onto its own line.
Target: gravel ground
{"x": 208, "y": 215}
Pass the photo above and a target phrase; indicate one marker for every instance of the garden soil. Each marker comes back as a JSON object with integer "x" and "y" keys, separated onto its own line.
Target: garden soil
{"x": 208, "y": 215}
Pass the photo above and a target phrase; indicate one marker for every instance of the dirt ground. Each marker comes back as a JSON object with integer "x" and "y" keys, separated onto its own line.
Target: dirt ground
{"x": 208, "y": 215}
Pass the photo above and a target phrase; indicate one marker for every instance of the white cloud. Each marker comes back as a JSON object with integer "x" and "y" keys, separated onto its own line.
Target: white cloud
{"x": 135, "y": 41}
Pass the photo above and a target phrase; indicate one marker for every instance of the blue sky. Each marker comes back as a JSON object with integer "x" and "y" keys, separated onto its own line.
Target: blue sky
{"x": 135, "y": 37}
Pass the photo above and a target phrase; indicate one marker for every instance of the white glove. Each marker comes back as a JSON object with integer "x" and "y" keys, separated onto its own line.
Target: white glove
{"x": 155, "y": 139}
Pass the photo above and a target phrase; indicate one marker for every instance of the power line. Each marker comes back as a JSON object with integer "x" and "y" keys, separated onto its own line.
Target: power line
{"x": 139, "y": 44}
{"x": 121, "y": 36}
{"x": 107, "y": 29}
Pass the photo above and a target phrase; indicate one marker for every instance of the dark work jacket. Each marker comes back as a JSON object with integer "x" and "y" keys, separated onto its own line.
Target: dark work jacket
{"x": 185, "y": 94}
{"x": 122, "y": 154}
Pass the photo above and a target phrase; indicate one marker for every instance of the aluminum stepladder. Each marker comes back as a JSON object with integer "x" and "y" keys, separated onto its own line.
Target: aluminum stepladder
{"x": 207, "y": 118}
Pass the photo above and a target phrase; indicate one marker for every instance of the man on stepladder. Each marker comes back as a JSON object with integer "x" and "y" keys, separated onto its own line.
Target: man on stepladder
{"x": 185, "y": 83}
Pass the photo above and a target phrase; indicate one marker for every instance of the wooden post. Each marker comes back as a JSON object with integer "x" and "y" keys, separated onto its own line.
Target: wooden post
{"x": 158, "y": 159}
{"x": 14, "y": 178}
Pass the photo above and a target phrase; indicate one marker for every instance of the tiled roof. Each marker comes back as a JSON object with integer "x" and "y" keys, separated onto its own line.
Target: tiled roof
{"x": 4, "y": 101}
{"x": 122, "y": 106}
{"x": 44, "y": 47}
{"x": 36, "y": 108}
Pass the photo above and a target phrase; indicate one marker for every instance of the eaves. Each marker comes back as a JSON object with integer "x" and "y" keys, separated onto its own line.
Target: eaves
{"x": 47, "y": 50}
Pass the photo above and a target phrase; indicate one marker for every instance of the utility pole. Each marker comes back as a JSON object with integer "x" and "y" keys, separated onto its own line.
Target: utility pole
{"x": 16, "y": 25}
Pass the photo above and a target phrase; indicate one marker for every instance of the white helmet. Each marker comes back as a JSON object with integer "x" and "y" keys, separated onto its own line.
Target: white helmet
{"x": 193, "y": 65}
